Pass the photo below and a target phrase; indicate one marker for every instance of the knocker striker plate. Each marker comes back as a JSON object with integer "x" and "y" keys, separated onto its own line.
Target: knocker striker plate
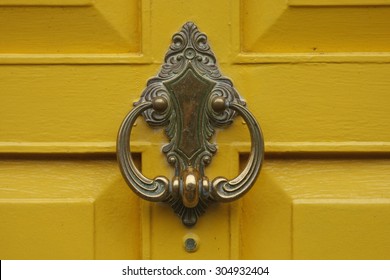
{"x": 190, "y": 98}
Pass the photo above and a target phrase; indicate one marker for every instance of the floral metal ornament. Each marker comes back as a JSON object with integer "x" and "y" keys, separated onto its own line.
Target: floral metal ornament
{"x": 190, "y": 98}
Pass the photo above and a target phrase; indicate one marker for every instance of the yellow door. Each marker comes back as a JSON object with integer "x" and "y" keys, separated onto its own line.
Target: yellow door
{"x": 315, "y": 73}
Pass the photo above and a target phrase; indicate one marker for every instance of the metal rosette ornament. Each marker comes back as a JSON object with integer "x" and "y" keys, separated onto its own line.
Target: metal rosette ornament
{"x": 190, "y": 98}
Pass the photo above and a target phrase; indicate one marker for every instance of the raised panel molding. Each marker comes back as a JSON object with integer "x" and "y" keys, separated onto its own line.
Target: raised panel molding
{"x": 318, "y": 209}
{"x": 308, "y": 31}
{"x": 338, "y": 2}
{"x": 271, "y": 147}
{"x": 46, "y": 215}
{"x": 58, "y": 27}
{"x": 346, "y": 228}
{"x": 46, "y": 2}
{"x": 302, "y": 108}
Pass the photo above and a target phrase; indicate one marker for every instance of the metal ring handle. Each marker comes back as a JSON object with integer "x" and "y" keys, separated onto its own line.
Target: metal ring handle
{"x": 190, "y": 98}
{"x": 225, "y": 190}
{"x": 152, "y": 190}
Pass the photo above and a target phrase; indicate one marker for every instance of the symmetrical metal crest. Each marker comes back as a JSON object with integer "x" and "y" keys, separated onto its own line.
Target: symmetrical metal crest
{"x": 191, "y": 98}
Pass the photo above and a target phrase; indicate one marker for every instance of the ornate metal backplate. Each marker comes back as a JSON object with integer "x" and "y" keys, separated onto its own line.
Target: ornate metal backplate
{"x": 190, "y": 98}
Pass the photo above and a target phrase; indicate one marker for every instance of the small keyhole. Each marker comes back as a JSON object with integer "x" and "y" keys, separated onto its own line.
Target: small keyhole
{"x": 190, "y": 245}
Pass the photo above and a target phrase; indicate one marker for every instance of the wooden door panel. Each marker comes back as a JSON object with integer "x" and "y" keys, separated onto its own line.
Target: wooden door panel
{"x": 67, "y": 209}
{"x": 51, "y": 3}
{"x": 314, "y": 73}
{"x": 302, "y": 26}
{"x": 341, "y": 228}
{"x": 346, "y": 105}
{"x": 66, "y": 108}
{"x": 77, "y": 26}
{"x": 55, "y": 107}
{"x": 47, "y": 228}
{"x": 328, "y": 3}
{"x": 318, "y": 209}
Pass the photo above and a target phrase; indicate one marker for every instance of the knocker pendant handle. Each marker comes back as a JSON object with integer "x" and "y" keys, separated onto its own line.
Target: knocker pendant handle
{"x": 190, "y": 98}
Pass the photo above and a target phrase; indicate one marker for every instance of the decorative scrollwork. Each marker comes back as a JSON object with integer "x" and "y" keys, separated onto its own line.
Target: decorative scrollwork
{"x": 190, "y": 98}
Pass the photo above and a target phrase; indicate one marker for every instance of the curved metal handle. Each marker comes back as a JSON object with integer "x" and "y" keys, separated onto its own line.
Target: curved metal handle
{"x": 152, "y": 190}
{"x": 224, "y": 190}
{"x": 191, "y": 98}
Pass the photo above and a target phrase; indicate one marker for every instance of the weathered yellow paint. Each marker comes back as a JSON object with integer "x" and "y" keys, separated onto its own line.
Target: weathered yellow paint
{"x": 316, "y": 78}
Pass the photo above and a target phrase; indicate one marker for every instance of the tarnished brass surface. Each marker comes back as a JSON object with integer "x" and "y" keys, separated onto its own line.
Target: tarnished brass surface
{"x": 191, "y": 98}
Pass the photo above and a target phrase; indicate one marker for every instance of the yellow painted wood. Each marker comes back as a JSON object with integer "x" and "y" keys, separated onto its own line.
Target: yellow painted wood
{"x": 300, "y": 208}
{"x": 338, "y": 2}
{"x": 216, "y": 232}
{"x": 47, "y": 229}
{"x": 45, "y": 2}
{"x": 66, "y": 209}
{"x": 344, "y": 228}
{"x": 59, "y": 104}
{"x": 318, "y": 209}
{"x": 56, "y": 27}
{"x": 78, "y": 86}
{"x": 325, "y": 57}
{"x": 272, "y": 26}
{"x": 76, "y": 58}
{"x": 314, "y": 73}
